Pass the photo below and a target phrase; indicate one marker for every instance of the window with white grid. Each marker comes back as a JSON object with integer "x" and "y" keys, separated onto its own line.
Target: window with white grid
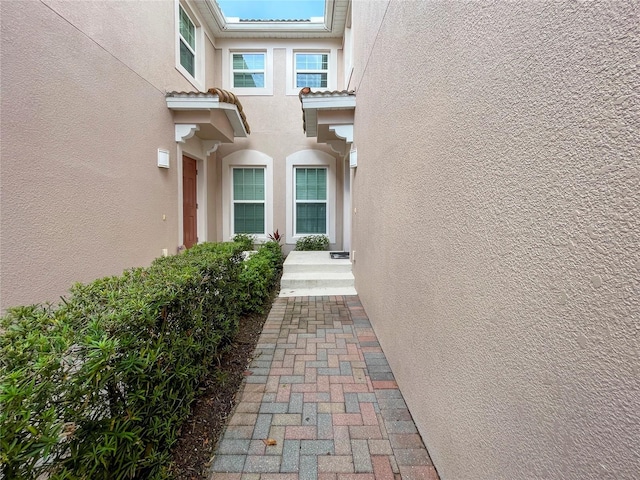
{"x": 248, "y": 70}
{"x": 187, "y": 39}
{"x": 310, "y": 201}
{"x": 248, "y": 201}
{"x": 311, "y": 70}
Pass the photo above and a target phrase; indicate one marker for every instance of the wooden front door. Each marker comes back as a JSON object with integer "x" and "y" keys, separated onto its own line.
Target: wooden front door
{"x": 189, "y": 202}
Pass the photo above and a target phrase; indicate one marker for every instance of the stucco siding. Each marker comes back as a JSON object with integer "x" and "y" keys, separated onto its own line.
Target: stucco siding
{"x": 82, "y": 196}
{"x": 276, "y": 130}
{"x": 497, "y": 228}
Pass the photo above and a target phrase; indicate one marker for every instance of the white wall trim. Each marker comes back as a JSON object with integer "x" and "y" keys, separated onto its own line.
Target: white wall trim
{"x": 305, "y": 158}
{"x": 202, "y": 194}
{"x": 346, "y": 206}
{"x": 246, "y": 158}
{"x": 180, "y": 197}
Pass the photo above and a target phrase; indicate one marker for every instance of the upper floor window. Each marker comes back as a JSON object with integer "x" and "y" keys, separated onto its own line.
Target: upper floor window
{"x": 314, "y": 65}
{"x": 187, "y": 34}
{"x": 312, "y": 70}
{"x": 190, "y": 45}
{"x": 248, "y": 70}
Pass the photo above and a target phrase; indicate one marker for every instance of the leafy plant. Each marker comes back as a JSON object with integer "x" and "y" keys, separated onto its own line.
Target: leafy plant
{"x": 312, "y": 243}
{"x": 275, "y": 236}
{"x": 260, "y": 275}
{"x": 245, "y": 240}
{"x": 98, "y": 386}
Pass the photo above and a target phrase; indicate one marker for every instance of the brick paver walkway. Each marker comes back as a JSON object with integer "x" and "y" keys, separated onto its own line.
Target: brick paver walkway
{"x": 321, "y": 392}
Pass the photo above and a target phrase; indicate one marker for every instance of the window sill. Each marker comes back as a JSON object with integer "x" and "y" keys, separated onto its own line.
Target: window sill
{"x": 194, "y": 82}
{"x": 247, "y": 92}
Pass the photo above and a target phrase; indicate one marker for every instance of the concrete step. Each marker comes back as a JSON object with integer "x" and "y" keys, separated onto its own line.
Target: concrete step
{"x": 316, "y": 274}
{"x": 316, "y": 279}
{"x": 315, "y": 262}
{"x": 318, "y": 292}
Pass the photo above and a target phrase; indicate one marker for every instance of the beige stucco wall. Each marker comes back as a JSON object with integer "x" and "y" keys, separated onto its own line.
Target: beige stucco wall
{"x": 497, "y": 232}
{"x": 83, "y": 114}
{"x": 276, "y": 130}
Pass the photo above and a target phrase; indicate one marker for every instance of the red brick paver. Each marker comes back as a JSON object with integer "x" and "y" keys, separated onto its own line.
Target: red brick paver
{"x": 321, "y": 388}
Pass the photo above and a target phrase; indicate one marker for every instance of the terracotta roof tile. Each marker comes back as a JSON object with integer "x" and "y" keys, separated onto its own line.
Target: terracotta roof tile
{"x": 307, "y": 93}
{"x": 224, "y": 96}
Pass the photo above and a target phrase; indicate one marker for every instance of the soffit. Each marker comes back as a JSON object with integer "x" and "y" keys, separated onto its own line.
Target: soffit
{"x": 335, "y": 16}
{"x": 218, "y": 113}
{"x": 338, "y": 105}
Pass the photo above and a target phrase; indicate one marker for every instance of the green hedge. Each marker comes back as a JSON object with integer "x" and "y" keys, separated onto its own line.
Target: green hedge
{"x": 98, "y": 386}
{"x": 312, "y": 243}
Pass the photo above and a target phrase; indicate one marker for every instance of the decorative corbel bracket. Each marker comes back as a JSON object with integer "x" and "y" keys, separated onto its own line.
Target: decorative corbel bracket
{"x": 210, "y": 146}
{"x": 185, "y": 131}
{"x": 338, "y": 146}
{"x": 343, "y": 131}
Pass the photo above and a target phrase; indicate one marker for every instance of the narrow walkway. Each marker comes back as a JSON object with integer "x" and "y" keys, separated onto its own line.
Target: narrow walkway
{"x": 320, "y": 402}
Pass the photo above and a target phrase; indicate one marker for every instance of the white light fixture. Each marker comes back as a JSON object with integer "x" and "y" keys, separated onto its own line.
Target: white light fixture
{"x": 353, "y": 157}
{"x": 163, "y": 158}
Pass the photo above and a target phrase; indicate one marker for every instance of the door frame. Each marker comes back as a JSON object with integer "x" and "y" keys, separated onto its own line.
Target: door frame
{"x": 346, "y": 205}
{"x": 186, "y": 160}
{"x": 201, "y": 193}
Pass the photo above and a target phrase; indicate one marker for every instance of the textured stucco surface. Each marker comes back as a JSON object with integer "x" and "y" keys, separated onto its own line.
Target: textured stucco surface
{"x": 497, "y": 232}
{"x": 83, "y": 114}
{"x": 276, "y": 130}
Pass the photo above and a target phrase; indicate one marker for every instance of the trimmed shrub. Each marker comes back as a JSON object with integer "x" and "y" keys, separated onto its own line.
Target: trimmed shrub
{"x": 245, "y": 240}
{"x": 33, "y": 367}
{"x": 99, "y": 386}
{"x": 312, "y": 242}
{"x": 259, "y": 276}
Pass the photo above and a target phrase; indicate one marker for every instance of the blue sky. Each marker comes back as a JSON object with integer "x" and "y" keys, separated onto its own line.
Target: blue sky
{"x": 272, "y": 9}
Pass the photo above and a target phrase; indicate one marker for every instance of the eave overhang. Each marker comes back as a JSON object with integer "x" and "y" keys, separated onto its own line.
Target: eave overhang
{"x": 213, "y": 115}
{"x": 328, "y": 116}
{"x": 330, "y": 25}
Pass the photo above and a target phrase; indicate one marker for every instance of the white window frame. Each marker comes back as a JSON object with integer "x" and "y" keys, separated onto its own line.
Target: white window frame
{"x": 235, "y": 202}
{"x": 311, "y": 71}
{"x": 263, "y": 71}
{"x": 332, "y": 70}
{"x": 246, "y": 159}
{"x": 197, "y": 78}
{"x": 347, "y": 53}
{"x": 310, "y": 159}
{"x": 227, "y": 66}
{"x": 296, "y": 201}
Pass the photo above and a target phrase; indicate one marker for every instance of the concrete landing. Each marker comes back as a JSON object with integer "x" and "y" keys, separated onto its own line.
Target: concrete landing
{"x": 316, "y": 274}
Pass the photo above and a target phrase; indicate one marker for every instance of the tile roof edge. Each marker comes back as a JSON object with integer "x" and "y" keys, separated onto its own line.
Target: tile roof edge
{"x": 306, "y": 92}
{"x": 224, "y": 96}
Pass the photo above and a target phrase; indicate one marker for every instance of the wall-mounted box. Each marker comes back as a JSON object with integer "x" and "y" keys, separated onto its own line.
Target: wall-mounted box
{"x": 163, "y": 158}
{"x": 353, "y": 158}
